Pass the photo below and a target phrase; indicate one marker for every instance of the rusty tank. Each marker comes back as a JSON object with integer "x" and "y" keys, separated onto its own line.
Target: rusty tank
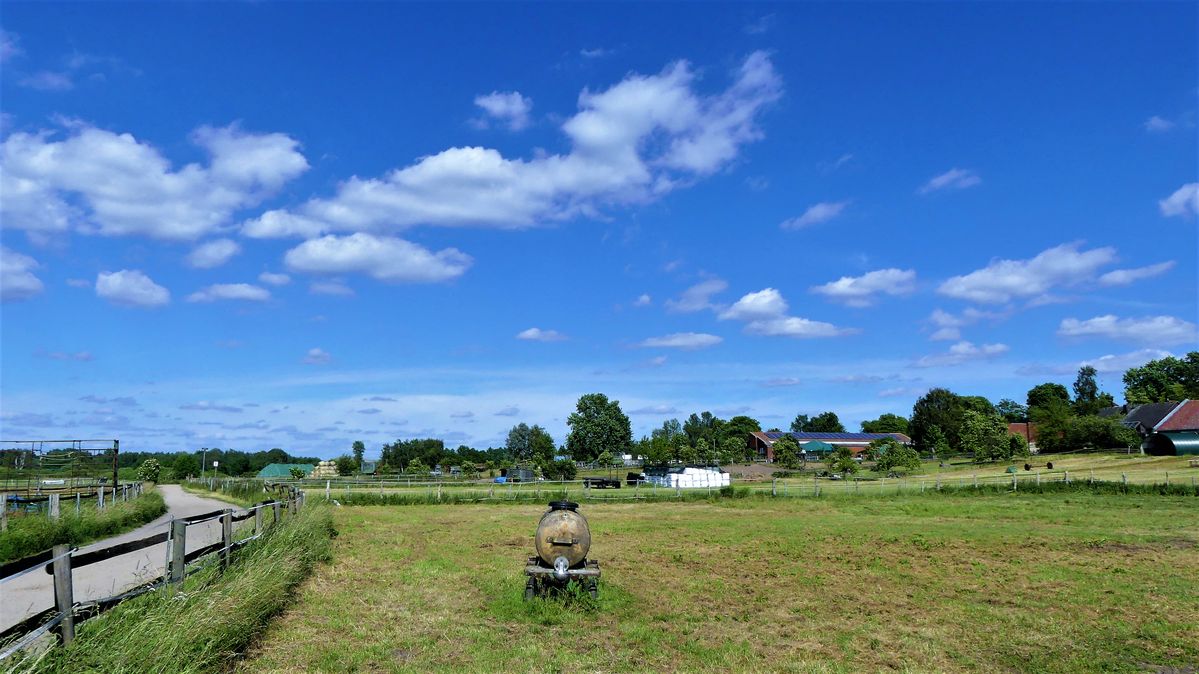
{"x": 562, "y": 541}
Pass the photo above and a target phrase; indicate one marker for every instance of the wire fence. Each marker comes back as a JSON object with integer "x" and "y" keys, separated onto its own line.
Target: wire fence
{"x": 62, "y": 560}
{"x": 352, "y": 491}
{"x": 54, "y": 504}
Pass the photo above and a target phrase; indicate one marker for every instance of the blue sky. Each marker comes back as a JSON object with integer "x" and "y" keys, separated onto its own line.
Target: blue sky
{"x": 268, "y": 225}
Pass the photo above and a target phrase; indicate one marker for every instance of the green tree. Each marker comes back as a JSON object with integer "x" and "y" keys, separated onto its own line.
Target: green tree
{"x": 1043, "y": 395}
{"x": 1017, "y": 445}
{"x": 841, "y": 460}
{"x": 825, "y": 422}
{"x": 1012, "y": 411}
{"x": 941, "y": 409}
{"x": 1088, "y": 399}
{"x": 598, "y": 425}
{"x": 732, "y": 449}
{"x": 607, "y": 460}
{"x": 1053, "y": 419}
{"x": 185, "y": 465}
{"x": 889, "y": 454}
{"x": 787, "y": 452}
{"x": 985, "y": 436}
{"x": 938, "y": 443}
{"x": 886, "y": 423}
{"x": 346, "y": 465}
{"x": 359, "y": 450}
{"x": 149, "y": 470}
{"x": 562, "y": 469}
{"x": 417, "y": 467}
{"x": 297, "y": 473}
{"x": 1099, "y": 433}
{"x": 800, "y": 423}
{"x": 740, "y": 427}
{"x": 1163, "y": 380}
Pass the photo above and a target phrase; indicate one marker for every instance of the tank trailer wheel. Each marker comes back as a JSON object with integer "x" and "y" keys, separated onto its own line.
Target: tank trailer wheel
{"x": 593, "y": 589}
{"x": 530, "y": 589}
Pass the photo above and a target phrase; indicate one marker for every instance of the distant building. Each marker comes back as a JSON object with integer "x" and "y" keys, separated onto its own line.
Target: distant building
{"x": 1177, "y": 433}
{"x": 762, "y": 442}
{"x": 1026, "y": 430}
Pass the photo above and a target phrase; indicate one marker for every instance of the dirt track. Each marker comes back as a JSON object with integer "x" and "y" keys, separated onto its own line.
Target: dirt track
{"x": 34, "y": 592}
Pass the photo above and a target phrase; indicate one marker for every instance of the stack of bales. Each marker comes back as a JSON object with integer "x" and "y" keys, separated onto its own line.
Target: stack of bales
{"x": 325, "y": 469}
{"x": 691, "y": 477}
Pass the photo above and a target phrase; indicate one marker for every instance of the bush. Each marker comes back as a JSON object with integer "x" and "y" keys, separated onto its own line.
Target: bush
{"x": 787, "y": 452}
{"x": 149, "y": 471}
{"x": 297, "y": 473}
{"x": 562, "y": 469}
{"x": 840, "y": 460}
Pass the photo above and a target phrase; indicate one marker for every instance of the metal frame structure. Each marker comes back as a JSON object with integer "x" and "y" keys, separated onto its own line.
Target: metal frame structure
{"x": 39, "y": 448}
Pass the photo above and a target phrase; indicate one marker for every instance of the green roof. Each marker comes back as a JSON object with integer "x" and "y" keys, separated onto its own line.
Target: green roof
{"x": 817, "y": 447}
{"x": 284, "y": 469}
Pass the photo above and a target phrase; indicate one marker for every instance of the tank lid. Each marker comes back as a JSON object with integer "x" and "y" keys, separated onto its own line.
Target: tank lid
{"x": 564, "y": 505}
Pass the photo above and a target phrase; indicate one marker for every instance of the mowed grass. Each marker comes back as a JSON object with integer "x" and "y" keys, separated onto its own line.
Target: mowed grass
{"x": 910, "y": 583}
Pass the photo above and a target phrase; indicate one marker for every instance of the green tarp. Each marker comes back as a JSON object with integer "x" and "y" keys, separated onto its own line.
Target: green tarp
{"x": 283, "y": 470}
{"x": 817, "y": 447}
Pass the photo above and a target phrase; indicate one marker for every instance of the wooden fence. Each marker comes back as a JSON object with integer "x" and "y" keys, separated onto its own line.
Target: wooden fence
{"x": 61, "y": 560}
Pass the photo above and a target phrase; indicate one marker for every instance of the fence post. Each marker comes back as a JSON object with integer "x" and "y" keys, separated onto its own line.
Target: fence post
{"x": 1038, "y": 478}
{"x": 1067, "y": 476}
{"x": 178, "y": 551}
{"x": 3, "y": 512}
{"x": 976, "y": 480}
{"x": 275, "y": 512}
{"x": 258, "y": 520}
{"x": 100, "y": 498}
{"x": 78, "y": 505}
{"x": 1124, "y": 479}
{"x": 774, "y": 487}
{"x": 1167, "y": 478}
{"x": 55, "y": 513}
{"x": 815, "y": 486}
{"x": 327, "y": 482}
{"x": 64, "y": 596}
{"x": 1015, "y": 476}
{"x": 922, "y": 486}
{"x": 226, "y": 536}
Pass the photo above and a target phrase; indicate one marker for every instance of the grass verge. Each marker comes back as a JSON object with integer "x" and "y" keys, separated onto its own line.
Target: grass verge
{"x": 205, "y": 627}
{"x": 30, "y": 534}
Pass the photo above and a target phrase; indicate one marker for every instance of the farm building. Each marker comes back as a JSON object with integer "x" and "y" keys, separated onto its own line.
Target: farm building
{"x": 1177, "y": 433}
{"x": 1142, "y": 418}
{"x": 762, "y": 442}
{"x": 1026, "y": 430}
{"x": 283, "y": 470}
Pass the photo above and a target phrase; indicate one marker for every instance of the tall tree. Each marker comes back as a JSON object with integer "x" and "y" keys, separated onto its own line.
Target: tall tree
{"x": 1012, "y": 411}
{"x": 359, "y": 450}
{"x": 800, "y": 423}
{"x": 826, "y": 422}
{"x": 941, "y": 409}
{"x": 598, "y": 425}
{"x": 1162, "y": 380}
{"x": 1042, "y": 395}
{"x": 985, "y": 436}
{"x": 886, "y": 423}
{"x": 1088, "y": 399}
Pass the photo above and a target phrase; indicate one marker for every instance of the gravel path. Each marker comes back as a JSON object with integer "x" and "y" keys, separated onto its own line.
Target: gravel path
{"x": 34, "y": 592}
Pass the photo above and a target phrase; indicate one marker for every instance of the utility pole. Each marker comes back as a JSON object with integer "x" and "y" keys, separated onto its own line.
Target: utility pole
{"x": 203, "y": 461}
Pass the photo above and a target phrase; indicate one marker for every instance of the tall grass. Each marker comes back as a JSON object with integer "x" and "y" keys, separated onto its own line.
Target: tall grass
{"x": 30, "y": 534}
{"x": 205, "y": 627}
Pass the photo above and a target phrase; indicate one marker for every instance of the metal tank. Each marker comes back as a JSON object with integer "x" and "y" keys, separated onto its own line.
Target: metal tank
{"x": 563, "y": 540}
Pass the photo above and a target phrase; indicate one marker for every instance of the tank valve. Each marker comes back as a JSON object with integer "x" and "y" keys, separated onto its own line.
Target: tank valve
{"x": 560, "y": 567}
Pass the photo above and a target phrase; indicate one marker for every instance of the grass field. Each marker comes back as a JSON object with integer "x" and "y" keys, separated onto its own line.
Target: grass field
{"x": 929, "y": 582}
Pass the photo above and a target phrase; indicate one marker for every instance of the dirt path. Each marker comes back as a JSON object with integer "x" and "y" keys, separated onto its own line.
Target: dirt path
{"x": 34, "y": 592}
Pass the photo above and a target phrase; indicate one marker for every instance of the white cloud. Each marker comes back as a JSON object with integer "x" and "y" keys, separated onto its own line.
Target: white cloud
{"x": 643, "y": 300}
{"x": 596, "y": 53}
{"x": 213, "y": 254}
{"x": 47, "y": 80}
{"x": 1153, "y": 330}
{"x": 655, "y": 410}
{"x": 131, "y": 287}
{"x": 1121, "y": 362}
{"x": 860, "y": 291}
{"x": 508, "y": 107}
{"x": 816, "y": 214}
{"x": 683, "y": 340}
{"x": 1184, "y": 201}
{"x": 765, "y": 303}
{"x": 9, "y": 46}
{"x": 17, "y": 281}
{"x": 698, "y": 297}
{"x": 230, "y": 291}
{"x": 963, "y": 352}
{"x": 765, "y": 313}
{"x": 384, "y": 258}
{"x": 1123, "y": 277}
{"x": 509, "y": 411}
{"x": 903, "y": 392}
{"x": 1158, "y": 124}
{"x": 953, "y": 179}
{"x": 336, "y": 288}
{"x": 317, "y": 356}
{"x": 759, "y": 25}
{"x": 273, "y": 279}
{"x": 949, "y": 326}
{"x": 539, "y": 335}
{"x": 97, "y": 181}
{"x": 630, "y": 143}
{"x": 1004, "y": 280}
{"x": 782, "y": 381}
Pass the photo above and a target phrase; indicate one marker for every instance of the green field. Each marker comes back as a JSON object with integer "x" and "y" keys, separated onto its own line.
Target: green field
{"x": 934, "y": 582}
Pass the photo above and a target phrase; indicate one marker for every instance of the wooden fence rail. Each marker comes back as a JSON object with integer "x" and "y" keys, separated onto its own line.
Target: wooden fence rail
{"x": 61, "y": 560}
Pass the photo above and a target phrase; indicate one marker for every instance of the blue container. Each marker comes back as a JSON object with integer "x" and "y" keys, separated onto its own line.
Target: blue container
{"x": 501, "y": 480}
